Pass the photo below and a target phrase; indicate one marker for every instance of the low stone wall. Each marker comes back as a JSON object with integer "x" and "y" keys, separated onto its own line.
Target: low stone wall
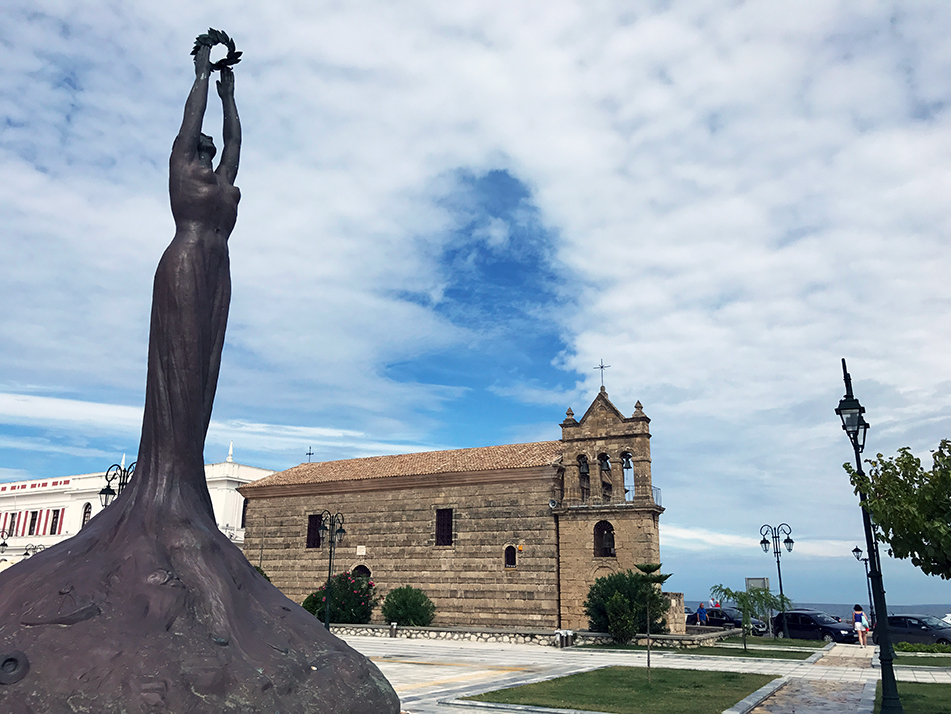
{"x": 548, "y": 638}
{"x": 506, "y": 636}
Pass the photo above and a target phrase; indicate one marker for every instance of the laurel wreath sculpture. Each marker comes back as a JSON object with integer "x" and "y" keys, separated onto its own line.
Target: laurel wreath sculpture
{"x": 218, "y": 37}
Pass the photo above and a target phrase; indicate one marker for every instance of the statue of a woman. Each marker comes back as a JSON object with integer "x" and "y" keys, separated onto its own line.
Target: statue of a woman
{"x": 190, "y": 301}
{"x": 150, "y": 607}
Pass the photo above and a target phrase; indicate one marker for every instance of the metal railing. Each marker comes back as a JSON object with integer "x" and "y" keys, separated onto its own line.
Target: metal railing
{"x": 630, "y": 493}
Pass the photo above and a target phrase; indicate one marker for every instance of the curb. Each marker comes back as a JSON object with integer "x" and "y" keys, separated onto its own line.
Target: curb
{"x": 867, "y": 705}
{"x": 756, "y": 698}
{"x": 820, "y": 654}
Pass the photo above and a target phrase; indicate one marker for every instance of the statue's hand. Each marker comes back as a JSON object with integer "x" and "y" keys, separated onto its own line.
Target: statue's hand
{"x": 203, "y": 61}
{"x": 226, "y": 83}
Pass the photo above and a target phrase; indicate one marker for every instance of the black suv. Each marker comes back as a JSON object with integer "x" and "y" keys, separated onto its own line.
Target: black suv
{"x": 918, "y": 628}
{"x": 728, "y": 617}
{"x": 814, "y": 625}
{"x": 724, "y": 616}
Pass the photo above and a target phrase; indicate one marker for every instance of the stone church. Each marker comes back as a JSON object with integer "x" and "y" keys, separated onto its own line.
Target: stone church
{"x": 497, "y": 536}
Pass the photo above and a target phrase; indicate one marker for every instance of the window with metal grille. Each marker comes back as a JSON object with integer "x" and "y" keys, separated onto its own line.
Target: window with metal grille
{"x": 54, "y": 522}
{"x": 33, "y": 516}
{"x": 314, "y": 521}
{"x": 87, "y": 514}
{"x": 443, "y": 526}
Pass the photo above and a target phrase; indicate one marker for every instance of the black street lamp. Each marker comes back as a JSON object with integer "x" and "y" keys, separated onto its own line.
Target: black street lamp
{"x": 32, "y": 550}
{"x": 120, "y": 472}
{"x": 781, "y": 530}
{"x": 856, "y": 427}
{"x": 857, "y": 552}
{"x": 330, "y": 527}
{"x": 3, "y": 540}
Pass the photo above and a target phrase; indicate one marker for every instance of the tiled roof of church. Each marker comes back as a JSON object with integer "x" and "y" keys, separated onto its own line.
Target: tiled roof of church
{"x": 483, "y": 458}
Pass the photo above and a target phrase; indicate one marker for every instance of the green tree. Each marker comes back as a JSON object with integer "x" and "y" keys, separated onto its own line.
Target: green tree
{"x": 653, "y": 576}
{"x": 621, "y": 621}
{"x": 638, "y": 590}
{"x": 911, "y": 506}
{"x": 755, "y": 602}
{"x": 352, "y": 600}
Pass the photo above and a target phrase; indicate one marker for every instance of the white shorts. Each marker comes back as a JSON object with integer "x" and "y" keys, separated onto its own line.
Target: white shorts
{"x": 859, "y": 627}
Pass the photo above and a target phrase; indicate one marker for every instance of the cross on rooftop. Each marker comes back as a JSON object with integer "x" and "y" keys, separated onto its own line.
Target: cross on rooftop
{"x": 602, "y": 367}
{"x": 310, "y": 452}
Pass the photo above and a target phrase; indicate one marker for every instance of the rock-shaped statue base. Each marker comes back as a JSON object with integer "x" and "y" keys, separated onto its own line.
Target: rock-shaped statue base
{"x": 126, "y": 619}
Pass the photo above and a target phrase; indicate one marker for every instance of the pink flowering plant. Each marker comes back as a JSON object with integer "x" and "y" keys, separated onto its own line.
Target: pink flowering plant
{"x": 352, "y": 600}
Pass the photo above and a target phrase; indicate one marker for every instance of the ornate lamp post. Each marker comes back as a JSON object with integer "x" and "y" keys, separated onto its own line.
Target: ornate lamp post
{"x": 856, "y": 427}
{"x": 32, "y": 550}
{"x": 120, "y": 472}
{"x": 781, "y": 530}
{"x": 331, "y": 527}
{"x": 3, "y": 540}
{"x": 857, "y": 552}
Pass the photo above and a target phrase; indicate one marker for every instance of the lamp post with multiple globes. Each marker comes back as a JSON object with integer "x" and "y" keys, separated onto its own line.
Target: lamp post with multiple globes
{"x": 775, "y": 533}
{"x": 855, "y": 426}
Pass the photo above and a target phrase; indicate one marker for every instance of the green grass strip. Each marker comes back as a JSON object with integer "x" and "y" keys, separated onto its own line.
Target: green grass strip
{"x": 912, "y": 661}
{"x": 625, "y": 690}
{"x": 919, "y": 698}
{"x": 777, "y": 642}
{"x": 712, "y": 651}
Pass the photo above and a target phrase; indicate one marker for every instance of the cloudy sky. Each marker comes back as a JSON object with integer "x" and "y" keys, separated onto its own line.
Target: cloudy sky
{"x": 452, "y": 211}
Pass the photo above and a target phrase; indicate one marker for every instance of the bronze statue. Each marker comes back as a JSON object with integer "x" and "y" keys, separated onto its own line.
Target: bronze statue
{"x": 150, "y": 607}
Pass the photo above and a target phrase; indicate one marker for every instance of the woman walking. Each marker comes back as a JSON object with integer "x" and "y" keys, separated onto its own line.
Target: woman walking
{"x": 861, "y": 624}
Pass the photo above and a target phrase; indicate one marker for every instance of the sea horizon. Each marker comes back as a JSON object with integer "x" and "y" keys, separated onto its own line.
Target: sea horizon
{"x": 844, "y": 610}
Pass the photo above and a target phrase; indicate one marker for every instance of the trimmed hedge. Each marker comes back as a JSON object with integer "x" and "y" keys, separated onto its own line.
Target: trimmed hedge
{"x": 408, "y": 606}
{"x": 917, "y": 647}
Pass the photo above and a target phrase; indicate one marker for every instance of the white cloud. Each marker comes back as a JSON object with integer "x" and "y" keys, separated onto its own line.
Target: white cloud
{"x": 736, "y": 197}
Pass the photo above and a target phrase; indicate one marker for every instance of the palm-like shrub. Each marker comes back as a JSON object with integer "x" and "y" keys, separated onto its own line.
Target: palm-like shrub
{"x": 408, "y": 606}
{"x": 352, "y": 600}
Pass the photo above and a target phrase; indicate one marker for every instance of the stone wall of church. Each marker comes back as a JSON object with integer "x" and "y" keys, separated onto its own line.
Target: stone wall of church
{"x": 635, "y": 538}
{"x": 392, "y": 532}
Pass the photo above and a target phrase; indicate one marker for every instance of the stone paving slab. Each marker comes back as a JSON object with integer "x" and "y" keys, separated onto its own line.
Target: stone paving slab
{"x": 810, "y": 696}
{"x": 426, "y": 672}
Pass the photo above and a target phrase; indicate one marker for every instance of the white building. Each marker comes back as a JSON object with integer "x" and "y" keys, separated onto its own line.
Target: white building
{"x": 40, "y": 513}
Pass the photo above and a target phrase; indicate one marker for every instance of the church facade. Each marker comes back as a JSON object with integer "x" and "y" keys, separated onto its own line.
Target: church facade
{"x": 497, "y": 536}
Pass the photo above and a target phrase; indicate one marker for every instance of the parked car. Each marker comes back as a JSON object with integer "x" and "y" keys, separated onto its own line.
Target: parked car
{"x": 917, "y": 628}
{"x": 758, "y": 627}
{"x": 728, "y": 617}
{"x": 814, "y": 625}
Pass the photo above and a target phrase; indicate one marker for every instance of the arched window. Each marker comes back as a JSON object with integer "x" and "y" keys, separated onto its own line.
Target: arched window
{"x": 584, "y": 478}
{"x": 627, "y": 468}
{"x": 607, "y": 486}
{"x": 604, "y": 540}
{"x": 87, "y": 514}
{"x": 244, "y": 513}
{"x": 361, "y": 571}
{"x": 510, "y": 556}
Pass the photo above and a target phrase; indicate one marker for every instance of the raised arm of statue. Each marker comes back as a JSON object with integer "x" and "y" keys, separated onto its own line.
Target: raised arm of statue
{"x": 185, "y": 148}
{"x": 228, "y": 167}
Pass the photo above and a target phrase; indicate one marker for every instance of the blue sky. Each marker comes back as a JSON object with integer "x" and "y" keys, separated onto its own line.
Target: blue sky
{"x": 452, "y": 211}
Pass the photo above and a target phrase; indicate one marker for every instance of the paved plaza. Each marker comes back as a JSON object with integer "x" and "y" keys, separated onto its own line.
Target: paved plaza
{"x": 428, "y": 672}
